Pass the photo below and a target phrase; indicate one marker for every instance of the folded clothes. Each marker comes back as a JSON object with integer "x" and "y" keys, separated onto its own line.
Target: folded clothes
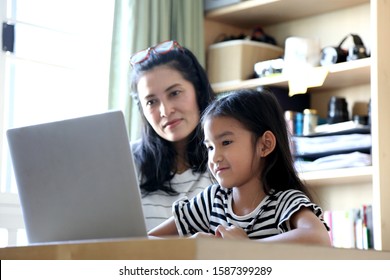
{"x": 340, "y": 127}
{"x": 327, "y": 144}
{"x": 355, "y": 159}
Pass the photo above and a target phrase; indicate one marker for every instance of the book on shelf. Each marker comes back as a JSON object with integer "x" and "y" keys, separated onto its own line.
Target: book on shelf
{"x": 351, "y": 228}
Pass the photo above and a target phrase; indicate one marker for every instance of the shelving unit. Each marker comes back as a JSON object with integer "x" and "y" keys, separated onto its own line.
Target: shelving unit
{"x": 339, "y": 75}
{"x": 247, "y": 13}
{"x": 325, "y": 178}
{"x": 358, "y": 80}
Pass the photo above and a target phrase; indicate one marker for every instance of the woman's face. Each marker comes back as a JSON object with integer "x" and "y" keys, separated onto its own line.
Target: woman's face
{"x": 169, "y": 103}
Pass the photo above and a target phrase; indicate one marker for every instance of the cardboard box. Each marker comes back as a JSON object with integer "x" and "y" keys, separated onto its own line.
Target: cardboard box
{"x": 234, "y": 60}
{"x": 215, "y": 4}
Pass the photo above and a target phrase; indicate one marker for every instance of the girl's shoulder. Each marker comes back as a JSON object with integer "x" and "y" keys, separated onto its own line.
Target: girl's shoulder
{"x": 217, "y": 190}
{"x": 290, "y": 194}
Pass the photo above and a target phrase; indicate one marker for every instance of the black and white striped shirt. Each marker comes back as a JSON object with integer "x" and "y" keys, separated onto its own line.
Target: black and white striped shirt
{"x": 157, "y": 206}
{"x": 213, "y": 207}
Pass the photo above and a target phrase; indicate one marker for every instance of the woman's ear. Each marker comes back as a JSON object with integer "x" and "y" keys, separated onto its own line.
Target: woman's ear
{"x": 266, "y": 144}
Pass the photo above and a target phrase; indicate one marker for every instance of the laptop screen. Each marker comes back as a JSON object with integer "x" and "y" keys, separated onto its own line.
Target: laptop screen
{"x": 77, "y": 180}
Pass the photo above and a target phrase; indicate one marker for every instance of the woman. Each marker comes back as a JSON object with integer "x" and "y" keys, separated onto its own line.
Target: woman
{"x": 172, "y": 90}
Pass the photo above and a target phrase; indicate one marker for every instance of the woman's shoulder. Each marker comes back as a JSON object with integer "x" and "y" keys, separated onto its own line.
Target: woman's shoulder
{"x": 135, "y": 145}
{"x": 214, "y": 189}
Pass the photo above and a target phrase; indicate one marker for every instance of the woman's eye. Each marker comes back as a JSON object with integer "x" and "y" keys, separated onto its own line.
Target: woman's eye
{"x": 150, "y": 102}
{"x": 175, "y": 93}
{"x": 226, "y": 142}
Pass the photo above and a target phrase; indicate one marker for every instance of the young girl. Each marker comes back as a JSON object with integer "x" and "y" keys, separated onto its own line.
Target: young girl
{"x": 259, "y": 194}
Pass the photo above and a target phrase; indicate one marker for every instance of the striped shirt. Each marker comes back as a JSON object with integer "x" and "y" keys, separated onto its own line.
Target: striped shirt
{"x": 157, "y": 206}
{"x": 213, "y": 207}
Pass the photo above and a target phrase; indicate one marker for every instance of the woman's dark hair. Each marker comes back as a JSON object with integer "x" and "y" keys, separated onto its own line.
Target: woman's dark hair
{"x": 259, "y": 111}
{"x": 156, "y": 157}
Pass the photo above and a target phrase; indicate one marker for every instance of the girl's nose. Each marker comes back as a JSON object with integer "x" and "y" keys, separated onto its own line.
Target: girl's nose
{"x": 216, "y": 157}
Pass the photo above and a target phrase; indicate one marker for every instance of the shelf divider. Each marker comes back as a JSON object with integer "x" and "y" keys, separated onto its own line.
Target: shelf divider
{"x": 324, "y": 178}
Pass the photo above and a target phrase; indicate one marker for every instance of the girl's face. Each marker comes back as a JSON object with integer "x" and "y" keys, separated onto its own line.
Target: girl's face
{"x": 169, "y": 103}
{"x": 232, "y": 157}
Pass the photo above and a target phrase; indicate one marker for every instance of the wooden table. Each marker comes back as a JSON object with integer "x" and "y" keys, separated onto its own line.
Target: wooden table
{"x": 182, "y": 249}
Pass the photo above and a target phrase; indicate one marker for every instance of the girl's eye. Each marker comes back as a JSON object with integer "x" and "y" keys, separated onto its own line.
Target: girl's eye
{"x": 209, "y": 148}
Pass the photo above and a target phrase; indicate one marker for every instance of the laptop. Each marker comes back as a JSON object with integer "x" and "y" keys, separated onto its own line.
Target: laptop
{"x": 77, "y": 180}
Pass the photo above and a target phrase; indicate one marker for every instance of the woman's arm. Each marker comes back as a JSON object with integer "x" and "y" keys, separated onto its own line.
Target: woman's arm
{"x": 307, "y": 229}
{"x": 166, "y": 228}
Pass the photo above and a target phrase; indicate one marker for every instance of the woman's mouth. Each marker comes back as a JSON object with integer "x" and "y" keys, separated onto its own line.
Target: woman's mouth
{"x": 172, "y": 124}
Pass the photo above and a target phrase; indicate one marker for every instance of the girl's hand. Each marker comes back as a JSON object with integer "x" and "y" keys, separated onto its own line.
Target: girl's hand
{"x": 231, "y": 232}
{"x": 203, "y": 235}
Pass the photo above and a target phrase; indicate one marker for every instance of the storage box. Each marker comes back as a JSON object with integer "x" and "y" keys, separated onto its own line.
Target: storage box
{"x": 214, "y": 4}
{"x": 234, "y": 60}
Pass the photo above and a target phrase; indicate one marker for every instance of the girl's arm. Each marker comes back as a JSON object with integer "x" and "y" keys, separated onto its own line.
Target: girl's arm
{"x": 166, "y": 228}
{"x": 307, "y": 229}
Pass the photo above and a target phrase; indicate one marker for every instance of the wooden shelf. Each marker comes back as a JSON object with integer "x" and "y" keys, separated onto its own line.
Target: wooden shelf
{"x": 266, "y": 12}
{"x": 323, "y": 178}
{"x": 340, "y": 75}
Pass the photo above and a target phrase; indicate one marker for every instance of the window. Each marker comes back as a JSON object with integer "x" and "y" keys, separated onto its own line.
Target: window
{"x": 59, "y": 68}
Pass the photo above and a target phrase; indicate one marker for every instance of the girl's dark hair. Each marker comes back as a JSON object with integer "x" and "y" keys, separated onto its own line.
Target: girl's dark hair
{"x": 259, "y": 111}
{"x": 156, "y": 157}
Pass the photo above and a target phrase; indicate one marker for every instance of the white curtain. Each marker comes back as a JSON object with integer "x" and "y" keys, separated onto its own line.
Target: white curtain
{"x": 139, "y": 24}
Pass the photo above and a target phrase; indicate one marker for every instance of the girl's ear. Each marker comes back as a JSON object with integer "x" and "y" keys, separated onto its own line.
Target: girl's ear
{"x": 266, "y": 144}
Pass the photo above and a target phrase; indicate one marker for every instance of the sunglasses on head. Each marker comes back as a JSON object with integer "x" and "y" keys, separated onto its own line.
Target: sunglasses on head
{"x": 162, "y": 48}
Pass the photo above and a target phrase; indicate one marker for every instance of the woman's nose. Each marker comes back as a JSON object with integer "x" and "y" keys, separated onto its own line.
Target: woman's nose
{"x": 166, "y": 108}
